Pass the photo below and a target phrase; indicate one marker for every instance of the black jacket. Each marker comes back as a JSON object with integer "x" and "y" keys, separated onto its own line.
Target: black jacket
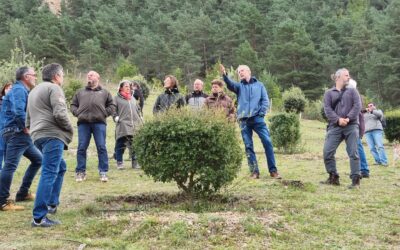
{"x": 171, "y": 97}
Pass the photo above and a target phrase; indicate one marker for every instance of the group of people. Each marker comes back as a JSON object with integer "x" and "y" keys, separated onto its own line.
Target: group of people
{"x": 348, "y": 121}
{"x": 35, "y": 124}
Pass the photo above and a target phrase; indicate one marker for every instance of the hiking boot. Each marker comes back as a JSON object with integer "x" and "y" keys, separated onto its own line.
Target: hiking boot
{"x": 120, "y": 165}
{"x": 364, "y": 175}
{"x": 80, "y": 176}
{"x": 333, "y": 179}
{"x": 52, "y": 209}
{"x": 103, "y": 177}
{"x": 355, "y": 182}
{"x": 10, "y": 206}
{"x": 45, "y": 222}
{"x": 26, "y": 197}
{"x": 135, "y": 164}
{"x": 255, "y": 175}
{"x": 275, "y": 175}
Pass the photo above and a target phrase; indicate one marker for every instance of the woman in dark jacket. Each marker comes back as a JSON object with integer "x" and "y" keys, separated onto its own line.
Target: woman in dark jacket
{"x": 4, "y": 91}
{"x": 128, "y": 119}
{"x": 170, "y": 98}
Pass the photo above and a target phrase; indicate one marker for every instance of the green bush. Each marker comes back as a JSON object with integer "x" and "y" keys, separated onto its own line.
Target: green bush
{"x": 285, "y": 131}
{"x": 392, "y": 130}
{"x": 126, "y": 69}
{"x": 70, "y": 88}
{"x": 198, "y": 150}
{"x": 294, "y": 100}
{"x": 313, "y": 111}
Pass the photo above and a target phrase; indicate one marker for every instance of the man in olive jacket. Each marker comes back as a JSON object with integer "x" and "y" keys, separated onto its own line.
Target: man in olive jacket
{"x": 51, "y": 130}
{"x": 92, "y": 105}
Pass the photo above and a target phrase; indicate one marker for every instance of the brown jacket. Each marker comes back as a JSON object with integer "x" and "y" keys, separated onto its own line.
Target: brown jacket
{"x": 222, "y": 101}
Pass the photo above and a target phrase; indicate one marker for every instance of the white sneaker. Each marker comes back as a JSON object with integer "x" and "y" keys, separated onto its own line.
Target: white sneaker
{"x": 103, "y": 177}
{"x": 80, "y": 176}
{"x": 120, "y": 165}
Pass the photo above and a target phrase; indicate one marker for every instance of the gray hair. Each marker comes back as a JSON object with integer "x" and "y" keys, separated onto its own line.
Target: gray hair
{"x": 50, "y": 71}
{"x": 20, "y": 73}
{"x": 335, "y": 76}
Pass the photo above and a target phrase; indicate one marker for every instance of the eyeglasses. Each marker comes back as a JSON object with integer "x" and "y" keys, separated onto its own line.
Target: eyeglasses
{"x": 34, "y": 75}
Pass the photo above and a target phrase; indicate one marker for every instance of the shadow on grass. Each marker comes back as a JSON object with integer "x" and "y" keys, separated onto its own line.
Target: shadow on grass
{"x": 173, "y": 201}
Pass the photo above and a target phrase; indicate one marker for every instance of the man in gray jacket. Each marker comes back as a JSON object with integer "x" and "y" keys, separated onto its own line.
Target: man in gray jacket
{"x": 374, "y": 133}
{"x": 342, "y": 106}
{"x": 51, "y": 131}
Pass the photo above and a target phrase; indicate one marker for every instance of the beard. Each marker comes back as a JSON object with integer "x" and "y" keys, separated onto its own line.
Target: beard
{"x": 92, "y": 83}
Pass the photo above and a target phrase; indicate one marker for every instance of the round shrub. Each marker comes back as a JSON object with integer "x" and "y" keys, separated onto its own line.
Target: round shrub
{"x": 198, "y": 150}
{"x": 285, "y": 131}
{"x": 70, "y": 88}
{"x": 392, "y": 130}
{"x": 294, "y": 100}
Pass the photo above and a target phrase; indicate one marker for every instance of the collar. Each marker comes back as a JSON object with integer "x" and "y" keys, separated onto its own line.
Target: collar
{"x": 252, "y": 80}
{"x": 98, "y": 88}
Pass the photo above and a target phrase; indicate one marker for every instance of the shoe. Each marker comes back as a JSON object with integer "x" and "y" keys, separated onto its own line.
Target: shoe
{"x": 10, "y": 206}
{"x": 333, "y": 179}
{"x": 364, "y": 175}
{"x": 52, "y": 209}
{"x": 377, "y": 164}
{"x": 255, "y": 175}
{"x": 45, "y": 222}
{"x": 355, "y": 182}
{"x": 27, "y": 197}
{"x": 275, "y": 175}
{"x": 103, "y": 177}
{"x": 120, "y": 165}
{"x": 135, "y": 164}
{"x": 80, "y": 176}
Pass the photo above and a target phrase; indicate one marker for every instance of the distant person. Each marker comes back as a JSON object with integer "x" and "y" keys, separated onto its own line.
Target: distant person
{"x": 4, "y": 90}
{"x": 171, "y": 96}
{"x": 197, "y": 98}
{"x": 92, "y": 105}
{"x": 138, "y": 95}
{"x": 51, "y": 130}
{"x": 374, "y": 134}
{"x": 342, "y": 107}
{"x": 128, "y": 120}
{"x": 219, "y": 100}
{"x": 363, "y": 158}
{"x": 252, "y": 107}
{"x": 17, "y": 140}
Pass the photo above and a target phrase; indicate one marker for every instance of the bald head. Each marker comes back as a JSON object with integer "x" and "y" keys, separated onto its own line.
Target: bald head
{"x": 244, "y": 72}
{"x": 93, "y": 79}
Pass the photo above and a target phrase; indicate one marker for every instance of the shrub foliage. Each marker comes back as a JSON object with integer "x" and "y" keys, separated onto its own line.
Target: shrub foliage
{"x": 198, "y": 150}
{"x": 294, "y": 100}
{"x": 70, "y": 88}
{"x": 285, "y": 131}
{"x": 392, "y": 130}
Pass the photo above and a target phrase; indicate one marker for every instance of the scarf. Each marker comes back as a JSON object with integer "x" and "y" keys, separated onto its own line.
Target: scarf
{"x": 125, "y": 95}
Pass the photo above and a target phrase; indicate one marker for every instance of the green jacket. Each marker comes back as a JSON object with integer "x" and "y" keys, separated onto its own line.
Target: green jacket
{"x": 127, "y": 117}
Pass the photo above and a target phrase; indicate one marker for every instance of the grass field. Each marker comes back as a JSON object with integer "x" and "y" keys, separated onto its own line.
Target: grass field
{"x": 133, "y": 212}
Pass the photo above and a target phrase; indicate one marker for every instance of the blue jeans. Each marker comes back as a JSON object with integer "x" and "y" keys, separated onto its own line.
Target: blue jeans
{"x": 16, "y": 145}
{"x": 259, "y": 126}
{"x": 363, "y": 158}
{"x": 51, "y": 179}
{"x": 375, "y": 144}
{"x": 1, "y": 152}
{"x": 85, "y": 131}
{"x": 120, "y": 146}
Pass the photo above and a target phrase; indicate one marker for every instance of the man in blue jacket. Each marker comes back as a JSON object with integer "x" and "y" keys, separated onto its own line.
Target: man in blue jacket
{"x": 252, "y": 107}
{"x": 17, "y": 140}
